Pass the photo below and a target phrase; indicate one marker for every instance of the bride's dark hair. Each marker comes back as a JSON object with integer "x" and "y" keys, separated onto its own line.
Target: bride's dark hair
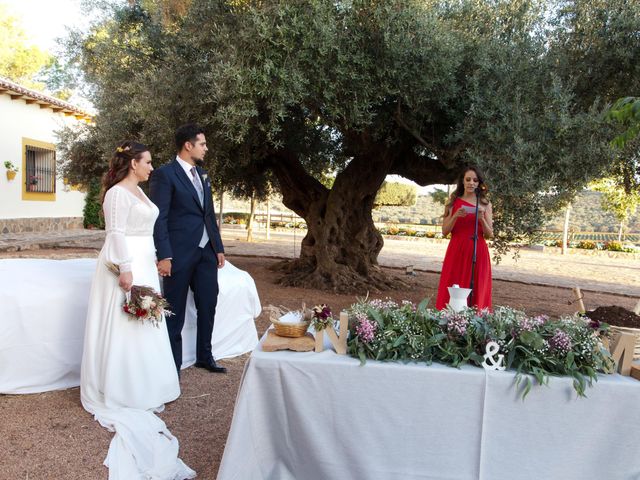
{"x": 120, "y": 163}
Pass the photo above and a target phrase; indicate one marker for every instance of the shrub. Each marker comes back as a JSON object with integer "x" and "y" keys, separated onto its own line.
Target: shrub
{"x": 92, "y": 212}
{"x": 613, "y": 246}
{"x": 239, "y": 217}
{"x": 587, "y": 244}
{"x": 392, "y": 231}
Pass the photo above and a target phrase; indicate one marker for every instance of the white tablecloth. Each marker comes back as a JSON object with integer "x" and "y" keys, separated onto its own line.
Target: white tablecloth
{"x": 323, "y": 416}
{"x": 43, "y": 306}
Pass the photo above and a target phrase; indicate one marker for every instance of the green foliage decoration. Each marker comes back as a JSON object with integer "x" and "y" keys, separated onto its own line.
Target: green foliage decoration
{"x": 535, "y": 347}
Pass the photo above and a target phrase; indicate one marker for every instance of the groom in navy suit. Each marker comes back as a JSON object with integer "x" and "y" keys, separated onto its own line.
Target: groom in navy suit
{"x": 188, "y": 244}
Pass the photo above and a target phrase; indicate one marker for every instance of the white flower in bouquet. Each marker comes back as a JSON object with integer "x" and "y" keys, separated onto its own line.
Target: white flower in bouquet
{"x": 146, "y": 302}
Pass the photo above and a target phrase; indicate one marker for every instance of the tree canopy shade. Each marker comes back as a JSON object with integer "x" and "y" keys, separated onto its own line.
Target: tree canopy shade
{"x": 289, "y": 91}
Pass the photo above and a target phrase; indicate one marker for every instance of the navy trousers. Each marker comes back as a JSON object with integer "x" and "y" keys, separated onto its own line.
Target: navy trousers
{"x": 198, "y": 270}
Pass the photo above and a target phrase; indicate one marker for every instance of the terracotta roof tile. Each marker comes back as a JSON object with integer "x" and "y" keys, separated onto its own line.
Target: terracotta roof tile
{"x": 18, "y": 91}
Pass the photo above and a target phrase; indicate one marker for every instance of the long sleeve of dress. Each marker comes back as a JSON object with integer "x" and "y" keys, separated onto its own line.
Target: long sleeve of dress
{"x": 116, "y": 209}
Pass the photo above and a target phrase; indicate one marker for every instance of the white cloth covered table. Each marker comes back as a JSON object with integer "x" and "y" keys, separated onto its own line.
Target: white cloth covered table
{"x": 323, "y": 416}
{"x": 43, "y": 305}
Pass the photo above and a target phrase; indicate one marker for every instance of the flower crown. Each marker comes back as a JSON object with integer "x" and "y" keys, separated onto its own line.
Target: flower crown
{"x": 121, "y": 149}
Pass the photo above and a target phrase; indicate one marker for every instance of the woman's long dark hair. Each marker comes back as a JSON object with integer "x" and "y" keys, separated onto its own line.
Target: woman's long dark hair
{"x": 459, "y": 191}
{"x": 120, "y": 163}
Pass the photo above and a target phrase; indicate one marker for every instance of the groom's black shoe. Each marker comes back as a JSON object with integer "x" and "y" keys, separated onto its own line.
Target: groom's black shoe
{"x": 211, "y": 366}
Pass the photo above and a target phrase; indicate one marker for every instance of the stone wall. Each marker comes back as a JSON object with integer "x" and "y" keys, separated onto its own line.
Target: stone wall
{"x": 44, "y": 224}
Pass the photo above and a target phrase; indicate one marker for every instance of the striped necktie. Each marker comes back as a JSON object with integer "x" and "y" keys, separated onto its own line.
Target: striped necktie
{"x": 198, "y": 184}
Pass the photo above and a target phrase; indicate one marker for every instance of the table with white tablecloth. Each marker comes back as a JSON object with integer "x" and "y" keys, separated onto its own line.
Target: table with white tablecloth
{"x": 43, "y": 305}
{"x": 324, "y": 416}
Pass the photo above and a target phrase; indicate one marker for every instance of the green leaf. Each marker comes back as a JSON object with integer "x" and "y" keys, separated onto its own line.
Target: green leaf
{"x": 532, "y": 339}
{"x": 377, "y": 317}
{"x": 477, "y": 358}
{"x": 422, "y": 306}
{"x": 362, "y": 357}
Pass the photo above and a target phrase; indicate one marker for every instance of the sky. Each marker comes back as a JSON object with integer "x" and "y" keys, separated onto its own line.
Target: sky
{"x": 45, "y": 20}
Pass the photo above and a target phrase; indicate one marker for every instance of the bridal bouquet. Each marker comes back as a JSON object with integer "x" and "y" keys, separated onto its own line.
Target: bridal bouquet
{"x": 143, "y": 303}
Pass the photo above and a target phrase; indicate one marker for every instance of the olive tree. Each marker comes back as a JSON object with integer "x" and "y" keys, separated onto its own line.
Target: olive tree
{"x": 290, "y": 91}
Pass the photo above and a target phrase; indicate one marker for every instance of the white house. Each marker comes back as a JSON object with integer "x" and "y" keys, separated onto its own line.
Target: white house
{"x": 35, "y": 199}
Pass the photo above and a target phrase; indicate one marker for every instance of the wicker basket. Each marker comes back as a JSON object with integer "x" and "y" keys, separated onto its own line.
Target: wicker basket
{"x": 287, "y": 329}
{"x": 633, "y": 331}
{"x": 290, "y": 329}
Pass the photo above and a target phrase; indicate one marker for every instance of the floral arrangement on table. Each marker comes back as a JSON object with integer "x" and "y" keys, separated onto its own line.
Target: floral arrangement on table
{"x": 540, "y": 346}
{"x": 321, "y": 317}
{"x": 143, "y": 303}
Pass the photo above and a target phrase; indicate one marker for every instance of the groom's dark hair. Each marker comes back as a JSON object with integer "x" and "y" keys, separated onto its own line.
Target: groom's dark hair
{"x": 187, "y": 133}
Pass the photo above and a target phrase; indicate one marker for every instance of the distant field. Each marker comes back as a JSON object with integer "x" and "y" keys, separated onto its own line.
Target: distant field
{"x": 593, "y": 236}
{"x": 587, "y": 216}
{"x": 289, "y": 220}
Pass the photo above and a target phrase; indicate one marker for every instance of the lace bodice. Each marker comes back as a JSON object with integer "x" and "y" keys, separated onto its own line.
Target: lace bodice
{"x": 125, "y": 215}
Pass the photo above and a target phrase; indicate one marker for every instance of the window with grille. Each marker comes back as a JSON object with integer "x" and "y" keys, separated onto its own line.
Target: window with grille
{"x": 40, "y": 172}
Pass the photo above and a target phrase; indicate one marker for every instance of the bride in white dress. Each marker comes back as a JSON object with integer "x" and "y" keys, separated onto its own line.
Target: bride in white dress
{"x": 128, "y": 372}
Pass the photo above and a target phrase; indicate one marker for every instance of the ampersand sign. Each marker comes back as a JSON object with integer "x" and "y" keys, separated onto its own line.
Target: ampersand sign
{"x": 492, "y": 348}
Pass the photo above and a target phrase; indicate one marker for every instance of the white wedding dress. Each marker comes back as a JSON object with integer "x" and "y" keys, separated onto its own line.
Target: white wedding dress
{"x": 128, "y": 372}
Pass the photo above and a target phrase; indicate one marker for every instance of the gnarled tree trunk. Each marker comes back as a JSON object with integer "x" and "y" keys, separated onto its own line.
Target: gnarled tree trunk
{"x": 341, "y": 247}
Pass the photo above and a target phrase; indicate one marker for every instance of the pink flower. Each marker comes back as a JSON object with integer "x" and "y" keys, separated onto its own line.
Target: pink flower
{"x": 457, "y": 324}
{"x": 366, "y": 329}
{"x": 560, "y": 342}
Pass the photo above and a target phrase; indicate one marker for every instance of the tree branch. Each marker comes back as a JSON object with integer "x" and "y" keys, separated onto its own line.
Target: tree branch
{"x": 400, "y": 121}
{"x": 299, "y": 189}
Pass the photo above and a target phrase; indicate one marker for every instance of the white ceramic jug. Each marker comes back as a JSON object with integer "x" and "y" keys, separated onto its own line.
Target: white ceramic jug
{"x": 458, "y": 297}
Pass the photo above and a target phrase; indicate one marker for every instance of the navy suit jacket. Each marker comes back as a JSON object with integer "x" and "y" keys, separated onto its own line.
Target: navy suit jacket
{"x": 178, "y": 228}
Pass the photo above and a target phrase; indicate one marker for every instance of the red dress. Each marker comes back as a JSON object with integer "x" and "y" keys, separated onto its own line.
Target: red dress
{"x": 456, "y": 268}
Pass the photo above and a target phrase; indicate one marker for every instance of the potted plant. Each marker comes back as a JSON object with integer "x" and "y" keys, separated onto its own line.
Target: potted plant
{"x": 33, "y": 181}
{"x": 12, "y": 170}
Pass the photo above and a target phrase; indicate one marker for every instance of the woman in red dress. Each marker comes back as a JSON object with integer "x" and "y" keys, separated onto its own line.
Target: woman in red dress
{"x": 459, "y": 214}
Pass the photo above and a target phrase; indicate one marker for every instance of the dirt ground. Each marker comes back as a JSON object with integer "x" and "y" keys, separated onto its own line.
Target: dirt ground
{"x": 50, "y": 436}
